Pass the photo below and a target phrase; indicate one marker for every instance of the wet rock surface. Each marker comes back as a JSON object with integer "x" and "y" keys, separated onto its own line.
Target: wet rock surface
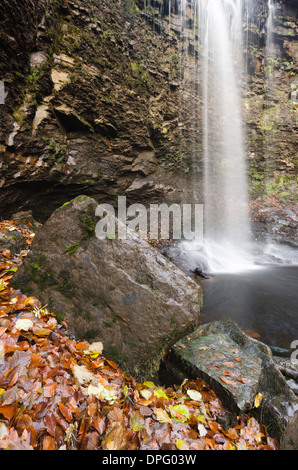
{"x": 241, "y": 370}
{"x": 121, "y": 292}
{"x": 276, "y": 222}
{"x": 12, "y": 241}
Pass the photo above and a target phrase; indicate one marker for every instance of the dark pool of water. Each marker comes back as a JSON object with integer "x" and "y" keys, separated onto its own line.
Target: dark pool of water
{"x": 265, "y": 301}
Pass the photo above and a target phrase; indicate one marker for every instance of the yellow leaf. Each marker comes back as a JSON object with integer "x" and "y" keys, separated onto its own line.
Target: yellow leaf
{"x": 160, "y": 394}
{"x": 94, "y": 355}
{"x": 149, "y": 384}
{"x": 162, "y": 416}
{"x": 146, "y": 394}
{"x": 97, "y": 391}
{"x": 24, "y": 324}
{"x": 2, "y": 391}
{"x": 136, "y": 421}
{"x": 125, "y": 391}
{"x": 241, "y": 446}
{"x": 40, "y": 332}
{"x": 95, "y": 349}
{"x": 204, "y": 348}
{"x": 30, "y": 301}
{"x": 182, "y": 445}
{"x": 201, "y": 419}
{"x": 180, "y": 412}
{"x": 202, "y": 430}
{"x": 194, "y": 395}
{"x": 258, "y": 400}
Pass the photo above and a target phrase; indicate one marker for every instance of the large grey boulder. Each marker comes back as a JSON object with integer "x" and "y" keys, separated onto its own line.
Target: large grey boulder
{"x": 244, "y": 375}
{"x": 121, "y": 292}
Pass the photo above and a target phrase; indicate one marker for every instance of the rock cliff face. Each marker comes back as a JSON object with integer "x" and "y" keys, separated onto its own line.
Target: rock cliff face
{"x": 102, "y": 99}
{"x": 92, "y": 107}
{"x": 270, "y": 107}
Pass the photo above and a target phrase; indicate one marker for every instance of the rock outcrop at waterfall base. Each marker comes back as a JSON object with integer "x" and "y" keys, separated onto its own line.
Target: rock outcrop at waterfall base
{"x": 243, "y": 373}
{"x": 121, "y": 292}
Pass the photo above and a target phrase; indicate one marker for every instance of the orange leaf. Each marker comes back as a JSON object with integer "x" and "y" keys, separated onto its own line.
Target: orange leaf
{"x": 252, "y": 333}
{"x": 92, "y": 409}
{"x": 213, "y": 426}
{"x": 50, "y": 423}
{"x": 72, "y": 405}
{"x": 114, "y": 438}
{"x": 65, "y": 411}
{"x": 7, "y": 411}
{"x": 41, "y": 332}
{"x": 99, "y": 424}
{"x": 6, "y": 253}
{"x": 30, "y": 301}
{"x": 48, "y": 443}
{"x": 232, "y": 374}
{"x": 2, "y": 330}
{"x": 244, "y": 380}
{"x": 49, "y": 390}
{"x": 37, "y": 360}
{"x": 81, "y": 345}
{"x": 232, "y": 433}
{"x": 229, "y": 382}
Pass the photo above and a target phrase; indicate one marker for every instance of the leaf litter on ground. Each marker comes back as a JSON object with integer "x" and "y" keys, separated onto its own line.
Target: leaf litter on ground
{"x": 59, "y": 393}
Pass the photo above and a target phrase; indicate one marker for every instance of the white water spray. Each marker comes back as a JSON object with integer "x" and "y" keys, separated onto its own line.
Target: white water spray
{"x": 226, "y": 222}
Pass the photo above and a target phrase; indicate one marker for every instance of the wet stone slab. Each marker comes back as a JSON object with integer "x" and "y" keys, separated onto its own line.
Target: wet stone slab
{"x": 218, "y": 358}
{"x": 239, "y": 369}
{"x": 232, "y": 372}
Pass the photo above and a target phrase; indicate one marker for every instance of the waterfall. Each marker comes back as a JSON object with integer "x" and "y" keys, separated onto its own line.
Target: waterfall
{"x": 270, "y": 58}
{"x": 220, "y": 69}
{"x": 225, "y": 186}
{"x": 214, "y": 40}
{"x": 269, "y": 27}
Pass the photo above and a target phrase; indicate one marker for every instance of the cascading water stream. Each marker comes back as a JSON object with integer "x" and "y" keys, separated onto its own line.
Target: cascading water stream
{"x": 222, "y": 75}
{"x": 226, "y": 223}
{"x": 270, "y": 59}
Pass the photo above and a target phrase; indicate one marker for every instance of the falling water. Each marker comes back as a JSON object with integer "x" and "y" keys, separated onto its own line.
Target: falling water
{"x": 214, "y": 39}
{"x": 270, "y": 59}
{"x": 270, "y": 27}
{"x": 226, "y": 221}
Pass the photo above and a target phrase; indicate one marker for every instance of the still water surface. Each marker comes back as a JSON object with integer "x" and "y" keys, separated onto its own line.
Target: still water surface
{"x": 265, "y": 301}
